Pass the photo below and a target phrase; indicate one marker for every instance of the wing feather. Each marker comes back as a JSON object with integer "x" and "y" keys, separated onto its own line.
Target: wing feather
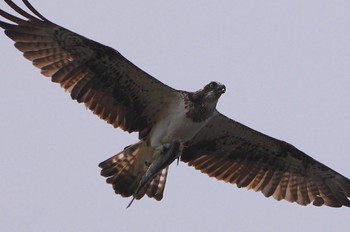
{"x": 234, "y": 153}
{"x": 96, "y": 75}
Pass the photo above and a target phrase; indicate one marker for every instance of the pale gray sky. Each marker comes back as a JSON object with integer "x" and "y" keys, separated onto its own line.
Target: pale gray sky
{"x": 286, "y": 66}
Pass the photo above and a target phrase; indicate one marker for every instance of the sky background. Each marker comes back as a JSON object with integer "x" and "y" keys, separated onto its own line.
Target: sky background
{"x": 286, "y": 67}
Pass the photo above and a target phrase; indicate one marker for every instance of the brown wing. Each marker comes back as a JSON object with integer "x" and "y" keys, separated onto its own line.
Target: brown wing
{"x": 234, "y": 153}
{"x": 99, "y": 76}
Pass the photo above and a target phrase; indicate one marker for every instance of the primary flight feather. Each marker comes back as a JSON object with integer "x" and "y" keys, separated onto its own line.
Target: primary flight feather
{"x": 172, "y": 124}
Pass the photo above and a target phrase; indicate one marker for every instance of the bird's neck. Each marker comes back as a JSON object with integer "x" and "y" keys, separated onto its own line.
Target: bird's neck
{"x": 199, "y": 109}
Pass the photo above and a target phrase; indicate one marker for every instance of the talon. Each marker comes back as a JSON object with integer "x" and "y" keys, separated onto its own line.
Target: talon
{"x": 147, "y": 163}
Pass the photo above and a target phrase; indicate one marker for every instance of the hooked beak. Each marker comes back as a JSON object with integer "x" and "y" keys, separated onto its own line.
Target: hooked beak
{"x": 221, "y": 89}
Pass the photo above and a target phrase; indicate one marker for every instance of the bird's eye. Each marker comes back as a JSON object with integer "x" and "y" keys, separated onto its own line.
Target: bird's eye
{"x": 212, "y": 85}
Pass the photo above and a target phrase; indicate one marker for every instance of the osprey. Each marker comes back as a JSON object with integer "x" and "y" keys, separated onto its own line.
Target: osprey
{"x": 172, "y": 124}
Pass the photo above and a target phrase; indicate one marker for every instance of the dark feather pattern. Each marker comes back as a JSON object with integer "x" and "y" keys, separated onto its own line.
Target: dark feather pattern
{"x": 122, "y": 173}
{"x": 234, "y": 153}
{"x": 127, "y": 97}
{"x": 96, "y": 75}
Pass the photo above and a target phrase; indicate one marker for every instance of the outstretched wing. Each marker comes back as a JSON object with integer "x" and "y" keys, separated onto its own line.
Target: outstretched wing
{"x": 99, "y": 76}
{"x": 234, "y": 153}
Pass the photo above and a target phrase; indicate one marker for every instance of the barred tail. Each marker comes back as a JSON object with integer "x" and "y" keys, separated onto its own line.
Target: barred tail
{"x": 126, "y": 169}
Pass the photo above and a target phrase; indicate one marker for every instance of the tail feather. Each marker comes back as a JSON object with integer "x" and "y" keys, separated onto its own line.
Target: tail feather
{"x": 126, "y": 169}
{"x": 156, "y": 187}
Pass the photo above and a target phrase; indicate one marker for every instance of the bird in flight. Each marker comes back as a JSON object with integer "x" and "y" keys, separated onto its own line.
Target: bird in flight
{"x": 172, "y": 124}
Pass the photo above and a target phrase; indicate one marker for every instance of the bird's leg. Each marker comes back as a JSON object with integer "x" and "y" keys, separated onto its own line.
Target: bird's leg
{"x": 167, "y": 155}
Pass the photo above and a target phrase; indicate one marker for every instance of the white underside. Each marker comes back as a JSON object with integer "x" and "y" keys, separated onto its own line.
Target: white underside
{"x": 174, "y": 125}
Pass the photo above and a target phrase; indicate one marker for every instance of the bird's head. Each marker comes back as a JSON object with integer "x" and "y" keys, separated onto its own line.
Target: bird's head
{"x": 203, "y": 102}
{"x": 213, "y": 90}
{"x": 210, "y": 94}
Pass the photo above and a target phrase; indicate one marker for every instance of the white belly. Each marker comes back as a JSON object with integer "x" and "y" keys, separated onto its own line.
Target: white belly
{"x": 174, "y": 126}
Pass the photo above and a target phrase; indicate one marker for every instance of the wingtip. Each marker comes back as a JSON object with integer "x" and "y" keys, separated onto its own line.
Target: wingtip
{"x": 5, "y": 25}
